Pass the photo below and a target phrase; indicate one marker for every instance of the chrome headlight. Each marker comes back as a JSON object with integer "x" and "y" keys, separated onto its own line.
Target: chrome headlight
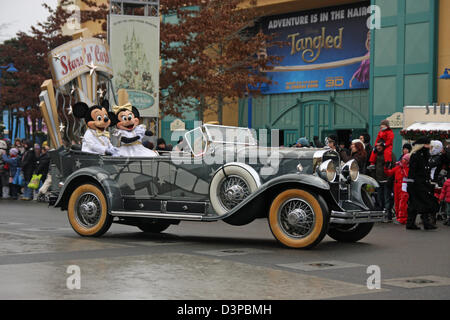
{"x": 351, "y": 169}
{"x": 327, "y": 170}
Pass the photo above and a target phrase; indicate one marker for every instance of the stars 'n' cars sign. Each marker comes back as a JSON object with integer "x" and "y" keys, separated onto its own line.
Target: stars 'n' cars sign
{"x": 77, "y": 57}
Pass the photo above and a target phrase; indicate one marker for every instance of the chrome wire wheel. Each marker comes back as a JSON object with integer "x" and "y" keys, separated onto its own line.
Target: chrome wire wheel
{"x": 296, "y": 218}
{"x": 88, "y": 210}
{"x": 232, "y": 191}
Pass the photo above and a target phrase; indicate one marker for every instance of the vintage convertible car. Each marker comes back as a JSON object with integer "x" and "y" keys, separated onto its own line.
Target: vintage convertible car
{"x": 221, "y": 174}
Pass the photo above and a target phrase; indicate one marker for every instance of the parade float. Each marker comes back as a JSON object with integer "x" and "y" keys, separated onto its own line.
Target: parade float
{"x": 81, "y": 72}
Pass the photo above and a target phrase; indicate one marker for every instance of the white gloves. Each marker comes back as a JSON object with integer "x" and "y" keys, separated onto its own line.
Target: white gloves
{"x": 140, "y": 130}
{"x": 113, "y": 151}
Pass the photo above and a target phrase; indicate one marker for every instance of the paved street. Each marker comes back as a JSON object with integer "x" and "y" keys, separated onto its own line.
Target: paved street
{"x": 211, "y": 261}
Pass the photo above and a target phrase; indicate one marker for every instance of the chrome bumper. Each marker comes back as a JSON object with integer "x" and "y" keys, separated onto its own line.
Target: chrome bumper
{"x": 357, "y": 217}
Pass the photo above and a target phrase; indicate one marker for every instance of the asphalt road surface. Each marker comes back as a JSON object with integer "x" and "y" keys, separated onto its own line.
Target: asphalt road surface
{"x": 40, "y": 256}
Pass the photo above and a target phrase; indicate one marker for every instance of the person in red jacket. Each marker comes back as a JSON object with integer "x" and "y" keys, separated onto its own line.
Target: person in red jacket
{"x": 387, "y": 135}
{"x": 445, "y": 197}
{"x": 401, "y": 196}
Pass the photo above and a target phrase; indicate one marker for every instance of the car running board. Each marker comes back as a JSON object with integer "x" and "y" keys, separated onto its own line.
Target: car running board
{"x": 157, "y": 215}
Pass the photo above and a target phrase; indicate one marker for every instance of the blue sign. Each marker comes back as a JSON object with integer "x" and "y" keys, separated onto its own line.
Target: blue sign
{"x": 325, "y": 49}
{"x": 140, "y": 99}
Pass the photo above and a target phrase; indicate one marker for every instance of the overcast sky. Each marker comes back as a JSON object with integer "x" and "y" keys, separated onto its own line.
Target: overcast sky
{"x": 20, "y": 15}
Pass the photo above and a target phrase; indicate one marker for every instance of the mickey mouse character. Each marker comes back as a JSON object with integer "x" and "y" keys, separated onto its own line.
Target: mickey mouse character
{"x": 96, "y": 138}
{"x": 126, "y": 119}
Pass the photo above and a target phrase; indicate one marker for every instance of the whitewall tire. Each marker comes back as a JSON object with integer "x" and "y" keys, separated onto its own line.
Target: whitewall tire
{"x": 230, "y": 185}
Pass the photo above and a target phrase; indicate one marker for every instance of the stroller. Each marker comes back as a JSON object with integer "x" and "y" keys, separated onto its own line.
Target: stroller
{"x": 45, "y": 190}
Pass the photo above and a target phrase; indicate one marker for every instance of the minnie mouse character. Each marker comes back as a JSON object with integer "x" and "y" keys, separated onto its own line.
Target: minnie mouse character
{"x": 130, "y": 133}
{"x": 96, "y": 138}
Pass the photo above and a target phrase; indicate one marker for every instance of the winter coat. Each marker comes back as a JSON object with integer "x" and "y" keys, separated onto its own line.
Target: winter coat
{"x": 388, "y": 137}
{"x": 380, "y": 164}
{"x": 446, "y": 161}
{"x": 380, "y": 176}
{"x": 435, "y": 163}
{"x": 369, "y": 150}
{"x": 421, "y": 192}
{"x": 400, "y": 196}
{"x": 445, "y": 192}
{"x": 399, "y": 173}
{"x": 28, "y": 164}
{"x": 43, "y": 165}
{"x": 360, "y": 159}
{"x": 13, "y": 163}
{"x": 4, "y": 173}
{"x": 3, "y": 167}
{"x": 419, "y": 170}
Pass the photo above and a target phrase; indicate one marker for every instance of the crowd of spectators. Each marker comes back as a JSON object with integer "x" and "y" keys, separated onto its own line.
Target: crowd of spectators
{"x": 414, "y": 184}
{"x": 19, "y": 162}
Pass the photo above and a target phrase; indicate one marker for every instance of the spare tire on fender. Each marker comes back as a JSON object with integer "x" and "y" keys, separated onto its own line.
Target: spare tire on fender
{"x": 229, "y": 186}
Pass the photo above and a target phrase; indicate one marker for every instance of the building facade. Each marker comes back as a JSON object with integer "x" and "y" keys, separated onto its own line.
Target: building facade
{"x": 408, "y": 53}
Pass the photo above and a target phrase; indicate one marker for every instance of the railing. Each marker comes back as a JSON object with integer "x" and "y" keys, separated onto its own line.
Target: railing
{"x": 123, "y": 7}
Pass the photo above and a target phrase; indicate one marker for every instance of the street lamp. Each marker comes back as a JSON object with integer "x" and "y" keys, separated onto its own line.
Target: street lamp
{"x": 9, "y": 68}
{"x": 446, "y": 75}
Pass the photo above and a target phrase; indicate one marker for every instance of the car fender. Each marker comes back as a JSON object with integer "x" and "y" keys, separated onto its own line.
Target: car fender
{"x": 358, "y": 184}
{"x": 247, "y": 167}
{"x": 300, "y": 180}
{"x": 91, "y": 175}
{"x": 243, "y": 170}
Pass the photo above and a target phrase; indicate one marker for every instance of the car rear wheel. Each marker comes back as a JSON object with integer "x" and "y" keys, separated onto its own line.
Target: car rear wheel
{"x": 88, "y": 211}
{"x": 230, "y": 186}
{"x": 298, "y": 218}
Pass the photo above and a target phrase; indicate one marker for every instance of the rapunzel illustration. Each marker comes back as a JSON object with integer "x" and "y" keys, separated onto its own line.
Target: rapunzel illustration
{"x": 363, "y": 72}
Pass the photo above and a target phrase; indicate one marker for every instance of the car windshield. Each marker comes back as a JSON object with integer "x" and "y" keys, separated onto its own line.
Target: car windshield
{"x": 196, "y": 141}
{"x": 232, "y": 135}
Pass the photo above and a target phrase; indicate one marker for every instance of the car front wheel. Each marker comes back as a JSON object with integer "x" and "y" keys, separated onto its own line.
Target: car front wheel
{"x": 88, "y": 211}
{"x": 354, "y": 232}
{"x": 350, "y": 233}
{"x": 298, "y": 218}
